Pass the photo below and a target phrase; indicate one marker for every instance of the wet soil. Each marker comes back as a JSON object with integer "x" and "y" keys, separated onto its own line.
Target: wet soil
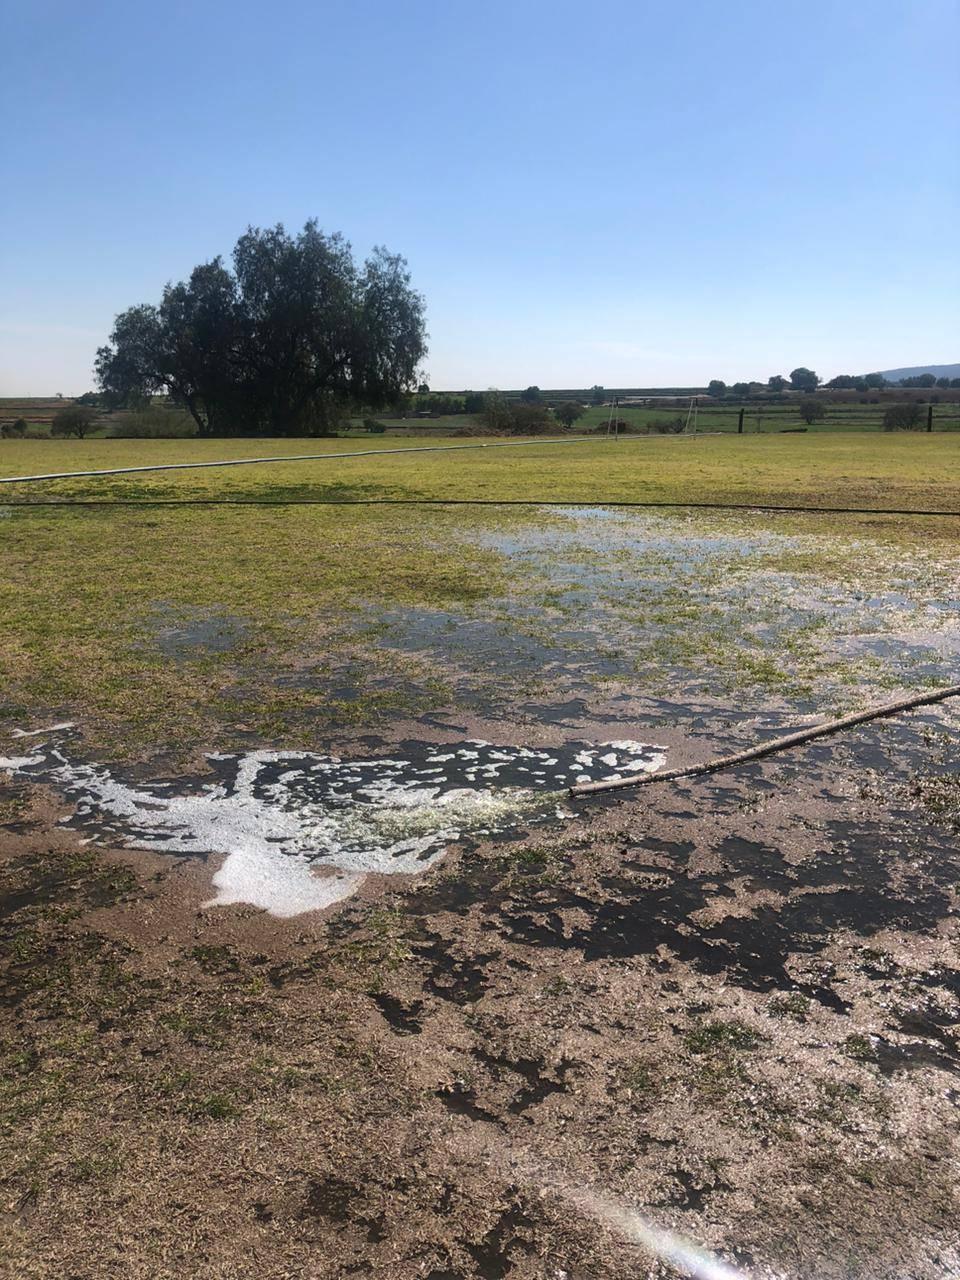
{"x": 731, "y": 1004}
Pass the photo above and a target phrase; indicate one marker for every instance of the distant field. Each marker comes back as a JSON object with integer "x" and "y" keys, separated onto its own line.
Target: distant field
{"x": 758, "y": 418}
{"x": 767, "y": 417}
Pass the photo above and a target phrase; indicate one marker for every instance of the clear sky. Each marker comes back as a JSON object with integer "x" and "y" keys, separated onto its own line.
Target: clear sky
{"x": 630, "y": 192}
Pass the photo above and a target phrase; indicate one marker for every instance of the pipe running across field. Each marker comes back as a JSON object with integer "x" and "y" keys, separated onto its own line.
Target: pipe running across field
{"x": 301, "y": 457}
{"x": 772, "y": 747}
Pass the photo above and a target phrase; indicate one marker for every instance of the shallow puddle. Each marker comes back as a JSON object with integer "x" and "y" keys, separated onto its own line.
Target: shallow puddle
{"x": 185, "y": 632}
{"x": 300, "y": 831}
{"x": 678, "y": 540}
{"x": 621, "y": 594}
{"x": 525, "y": 641}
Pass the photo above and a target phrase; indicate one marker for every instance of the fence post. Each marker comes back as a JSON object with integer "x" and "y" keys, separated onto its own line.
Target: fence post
{"x": 929, "y": 417}
{"x": 740, "y": 424}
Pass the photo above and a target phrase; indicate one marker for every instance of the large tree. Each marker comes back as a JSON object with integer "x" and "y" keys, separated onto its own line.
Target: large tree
{"x": 296, "y": 333}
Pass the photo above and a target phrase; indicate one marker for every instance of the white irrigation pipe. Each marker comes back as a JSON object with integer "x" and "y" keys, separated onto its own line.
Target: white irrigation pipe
{"x": 298, "y": 457}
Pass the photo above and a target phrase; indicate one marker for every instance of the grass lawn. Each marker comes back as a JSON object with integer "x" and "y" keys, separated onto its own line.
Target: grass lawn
{"x": 845, "y": 469}
{"x": 86, "y": 591}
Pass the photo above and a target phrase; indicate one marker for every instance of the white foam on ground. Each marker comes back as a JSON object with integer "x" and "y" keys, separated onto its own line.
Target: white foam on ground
{"x": 33, "y": 733}
{"x": 13, "y": 764}
{"x": 301, "y": 831}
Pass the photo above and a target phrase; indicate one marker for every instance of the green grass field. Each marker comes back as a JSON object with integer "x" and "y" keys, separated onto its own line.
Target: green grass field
{"x": 85, "y": 587}
{"x": 901, "y": 469}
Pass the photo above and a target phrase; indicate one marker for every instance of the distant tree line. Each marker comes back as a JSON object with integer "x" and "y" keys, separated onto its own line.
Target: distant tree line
{"x": 800, "y": 379}
{"x": 807, "y": 381}
{"x": 873, "y": 381}
{"x": 495, "y": 406}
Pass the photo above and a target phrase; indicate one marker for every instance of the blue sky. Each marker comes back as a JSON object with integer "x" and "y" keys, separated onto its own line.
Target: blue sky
{"x": 626, "y": 193}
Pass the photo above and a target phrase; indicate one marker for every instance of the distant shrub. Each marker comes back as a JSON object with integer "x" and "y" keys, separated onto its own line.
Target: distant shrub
{"x": 508, "y": 417}
{"x": 496, "y": 417}
{"x": 902, "y": 417}
{"x": 14, "y": 430}
{"x": 671, "y": 428}
{"x": 374, "y": 427}
{"x": 530, "y": 420}
{"x": 568, "y": 411}
{"x": 812, "y": 411}
{"x": 154, "y": 424}
{"x": 73, "y": 420}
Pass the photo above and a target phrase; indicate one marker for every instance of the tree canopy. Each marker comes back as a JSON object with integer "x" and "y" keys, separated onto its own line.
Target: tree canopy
{"x": 803, "y": 379}
{"x": 296, "y": 333}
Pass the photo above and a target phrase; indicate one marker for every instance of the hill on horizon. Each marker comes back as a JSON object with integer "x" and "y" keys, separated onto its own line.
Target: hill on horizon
{"x": 917, "y": 371}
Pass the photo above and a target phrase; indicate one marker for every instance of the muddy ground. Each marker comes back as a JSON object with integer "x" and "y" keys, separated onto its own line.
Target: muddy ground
{"x": 730, "y": 1004}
